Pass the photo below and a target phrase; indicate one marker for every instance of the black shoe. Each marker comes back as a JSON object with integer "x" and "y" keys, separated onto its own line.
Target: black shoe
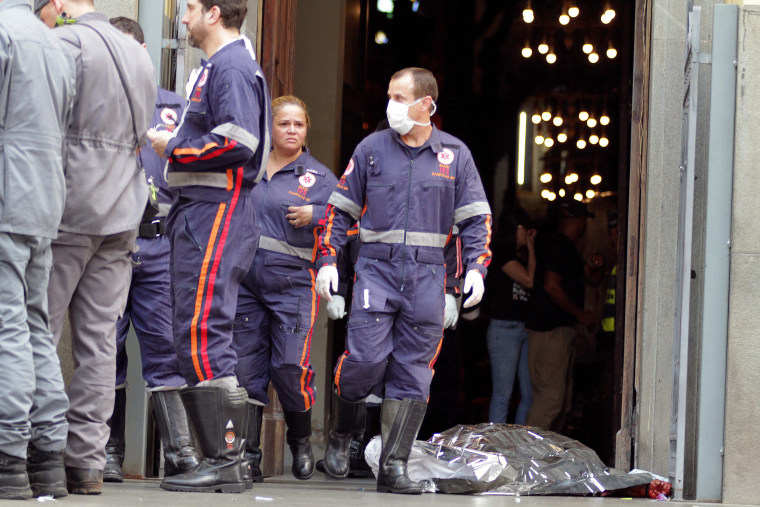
{"x": 298, "y": 437}
{"x": 219, "y": 416}
{"x": 112, "y": 471}
{"x": 47, "y": 475}
{"x": 14, "y": 483}
{"x": 342, "y": 420}
{"x": 84, "y": 481}
{"x": 369, "y": 422}
{"x": 252, "y": 457}
{"x": 401, "y": 422}
{"x": 180, "y": 454}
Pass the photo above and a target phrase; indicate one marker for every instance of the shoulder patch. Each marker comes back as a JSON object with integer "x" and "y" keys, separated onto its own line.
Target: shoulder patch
{"x": 446, "y": 156}
{"x": 349, "y": 168}
{"x": 307, "y": 180}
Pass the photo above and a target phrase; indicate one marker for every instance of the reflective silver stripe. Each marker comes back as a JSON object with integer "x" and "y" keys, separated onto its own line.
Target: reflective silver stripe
{"x": 397, "y": 237}
{"x": 239, "y": 134}
{"x": 275, "y": 245}
{"x": 471, "y": 210}
{"x": 346, "y": 204}
{"x": 163, "y": 209}
{"x": 183, "y": 179}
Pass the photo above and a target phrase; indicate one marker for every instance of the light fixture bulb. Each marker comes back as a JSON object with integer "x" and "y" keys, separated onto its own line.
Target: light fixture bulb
{"x": 557, "y": 121}
{"x": 564, "y": 19}
{"x": 583, "y": 116}
{"x": 595, "y": 179}
{"x": 545, "y": 177}
{"x": 562, "y": 137}
{"x": 528, "y": 15}
{"x": 593, "y": 58}
{"x": 591, "y": 123}
{"x": 603, "y": 142}
{"x": 552, "y": 196}
{"x": 610, "y": 13}
{"x": 548, "y": 142}
{"x": 545, "y": 193}
{"x": 573, "y": 11}
{"x": 588, "y": 47}
{"x": 611, "y": 53}
{"x": 593, "y": 138}
{"x": 590, "y": 194}
{"x": 604, "y": 120}
{"x": 543, "y": 48}
{"x": 568, "y": 180}
{"x": 536, "y": 118}
{"x": 580, "y": 144}
{"x": 539, "y": 139}
{"x": 546, "y": 115}
{"x": 551, "y": 58}
{"x": 578, "y": 196}
{"x": 381, "y": 38}
{"x": 527, "y": 52}
{"x": 574, "y": 176}
{"x": 562, "y": 192}
{"x": 385, "y": 6}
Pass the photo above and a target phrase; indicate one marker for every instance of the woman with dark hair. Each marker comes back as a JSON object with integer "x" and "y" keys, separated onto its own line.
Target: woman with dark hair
{"x": 515, "y": 258}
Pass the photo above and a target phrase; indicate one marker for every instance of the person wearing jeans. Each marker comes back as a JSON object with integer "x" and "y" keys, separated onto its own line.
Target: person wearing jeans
{"x": 507, "y": 338}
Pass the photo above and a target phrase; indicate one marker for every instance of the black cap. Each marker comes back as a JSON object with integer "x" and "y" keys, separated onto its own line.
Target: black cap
{"x": 39, "y": 4}
{"x": 573, "y": 209}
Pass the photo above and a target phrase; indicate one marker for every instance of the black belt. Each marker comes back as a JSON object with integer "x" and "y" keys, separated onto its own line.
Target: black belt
{"x": 152, "y": 229}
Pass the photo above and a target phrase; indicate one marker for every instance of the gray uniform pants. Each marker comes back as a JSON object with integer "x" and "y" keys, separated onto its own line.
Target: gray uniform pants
{"x": 90, "y": 277}
{"x": 34, "y": 403}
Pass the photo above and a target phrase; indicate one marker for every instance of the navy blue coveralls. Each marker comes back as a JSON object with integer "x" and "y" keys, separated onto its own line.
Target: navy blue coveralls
{"x": 218, "y": 155}
{"x": 407, "y": 200}
{"x": 277, "y": 302}
{"x": 149, "y": 304}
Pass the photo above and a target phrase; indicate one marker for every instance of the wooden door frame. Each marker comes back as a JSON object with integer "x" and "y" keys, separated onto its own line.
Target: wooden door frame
{"x": 636, "y": 231}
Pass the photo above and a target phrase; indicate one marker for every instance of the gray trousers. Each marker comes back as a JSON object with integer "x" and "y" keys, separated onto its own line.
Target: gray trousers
{"x": 90, "y": 277}
{"x": 34, "y": 403}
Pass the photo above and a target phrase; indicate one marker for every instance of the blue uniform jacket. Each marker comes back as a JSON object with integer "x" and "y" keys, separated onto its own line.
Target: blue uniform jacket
{"x": 404, "y": 196}
{"x": 169, "y": 107}
{"x": 226, "y": 125}
{"x": 302, "y": 182}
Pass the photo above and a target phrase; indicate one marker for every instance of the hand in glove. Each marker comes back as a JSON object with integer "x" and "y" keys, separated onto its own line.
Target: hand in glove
{"x": 336, "y": 309}
{"x": 327, "y": 278}
{"x": 473, "y": 282}
{"x": 451, "y": 313}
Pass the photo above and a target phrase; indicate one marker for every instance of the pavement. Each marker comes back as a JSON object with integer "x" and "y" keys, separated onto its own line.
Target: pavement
{"x": 320, "y": 490}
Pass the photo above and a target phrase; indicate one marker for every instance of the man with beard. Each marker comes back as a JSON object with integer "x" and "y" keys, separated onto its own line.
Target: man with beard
{"x": 216, "y": 156}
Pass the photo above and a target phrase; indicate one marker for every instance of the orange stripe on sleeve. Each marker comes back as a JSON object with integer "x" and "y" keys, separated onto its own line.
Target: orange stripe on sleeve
{"x": 486, "y": 256}
{"x": 194, "y": 151}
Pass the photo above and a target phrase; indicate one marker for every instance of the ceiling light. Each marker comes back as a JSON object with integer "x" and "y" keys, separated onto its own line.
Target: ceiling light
{"x": 583, "y": 116}
{"x": 611, "y": 53}
{"x": 381, "y": 38}
{"x": 528, "y": 15}
{"x": 545, "y": 177}
{"x": 546, "y": 115}
{"x": 588, "y": 47}
{"x": 562, "y": 137}
{"x": 545, "y": 193}
{"x": 543, "y": 48}
{"x": 552, "y": 196}
{"x": 593, "y": 139}
{"x": 564, "y": 19}
{"x": 548, "y": 142}
{"x": 536, "y": 118}
{"x": 590, "y": 194}
{"x": 610, "y": 13}
{"x": 562, "y": 192}
{"x": 591, "y": 123}
{"x": 595, "y": 179}
{"x": 539, "y": 139}
{"x": 527, "y": 52}
{"x": 551, "y": 58}
{"x": 604, "y": 120}
{"x": 573, "y": 11}
{"x": 580, "y": 144}
{"x": 385, "y": 6}
{"x": 603, "y": 142}
{"x": 593, "y": 58}
{"x": 557, "y": 121}
{"x": 578, "y": 196}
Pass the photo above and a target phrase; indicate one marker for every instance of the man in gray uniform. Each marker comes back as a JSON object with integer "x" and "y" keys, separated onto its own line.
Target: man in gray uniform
{"x": 36, "y": 97}
{"x": 105, "y": 198}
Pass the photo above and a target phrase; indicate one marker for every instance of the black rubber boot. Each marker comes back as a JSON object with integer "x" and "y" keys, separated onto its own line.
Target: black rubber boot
{"x": 401, "y": 422}
{"x": 47, "y": 475}
{"x": 112, "y": 471}
{"x": 298, "y": 437}
{"x": 369, "y": 421}
{"x": 14, "y": 483}
{"x": 253, "y": 442}
{"x": 342, "y": 418}
{"x": 180, "y": 454}
{"x": 219, "y": 416}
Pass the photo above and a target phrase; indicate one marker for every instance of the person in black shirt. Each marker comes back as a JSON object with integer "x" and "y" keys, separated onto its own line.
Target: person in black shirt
{"x": 557, "y": 306}
{"x": 507, "y": 338}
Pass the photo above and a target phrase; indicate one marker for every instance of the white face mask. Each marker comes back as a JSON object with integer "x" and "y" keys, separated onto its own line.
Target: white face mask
{"x": 398, "y": 117}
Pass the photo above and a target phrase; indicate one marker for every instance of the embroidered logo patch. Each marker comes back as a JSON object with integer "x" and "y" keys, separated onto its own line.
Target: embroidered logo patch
{"x": 204, "y": 78}
{"x": 446, "y": 157}
{"x": 169, "y": 116}
{"x": 350, "y": 168}
{"x": 307, "y": 180}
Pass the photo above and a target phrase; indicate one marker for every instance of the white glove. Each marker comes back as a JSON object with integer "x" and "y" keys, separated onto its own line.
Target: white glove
{"x": 327, "y": 278}
{"x": 473, "y": 281}
{"x": 336, "y": 309}
{"x": 451, "y": 313}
